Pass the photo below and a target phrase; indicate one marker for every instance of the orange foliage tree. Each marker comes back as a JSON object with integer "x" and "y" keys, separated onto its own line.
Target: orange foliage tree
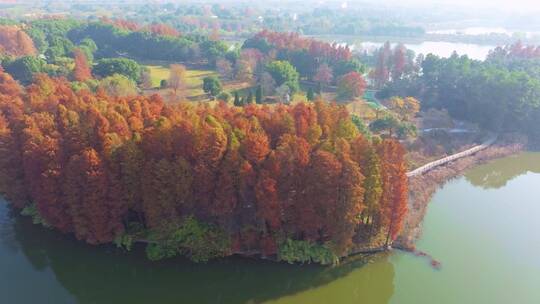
{"x": 82, "y": 70}
{"x": 14, "y": 41}
{"x": 93, "y": 165}
{"x": 163, "y": 30}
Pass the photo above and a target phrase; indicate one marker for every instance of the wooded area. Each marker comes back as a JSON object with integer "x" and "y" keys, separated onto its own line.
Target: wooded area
{"x": 194, "y": 179}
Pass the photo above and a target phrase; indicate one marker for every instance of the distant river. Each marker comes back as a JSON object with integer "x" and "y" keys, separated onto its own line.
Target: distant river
{"x": 483, "y": 228}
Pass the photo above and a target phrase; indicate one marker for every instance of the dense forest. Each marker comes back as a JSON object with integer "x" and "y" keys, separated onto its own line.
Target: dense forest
{"x": 501, "y": 94}
{"x": 48, "y": 45}
{"x": 297, "y": 181}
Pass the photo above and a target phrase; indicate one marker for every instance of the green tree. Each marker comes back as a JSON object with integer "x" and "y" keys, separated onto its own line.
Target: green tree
{"x": 123, "y": 66}
{"x": 284, "y": 74}
{"x": 39, "y": 38}
{"x": 388, "y": 124}
{"x": 212, "y": 85}
{"x": 259, "y": 95}
{"x": 310, "y": 94}
{"x": 88, "y": 47}
{"x": 237, "y": 101}
{"x": 23, "y": 68}
{"x": 163, "y": 84}
{"x": 59, "y": 46}
{"x": 372, "y": 185}
{"x": 344, "y": 67}
{"x": 249, "y": 98}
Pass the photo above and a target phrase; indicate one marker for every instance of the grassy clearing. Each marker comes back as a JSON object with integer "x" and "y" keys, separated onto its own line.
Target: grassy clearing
{"x": 194, "y": 78}
{"x": 158, "y": 73}
{"x": 194, "y": 82}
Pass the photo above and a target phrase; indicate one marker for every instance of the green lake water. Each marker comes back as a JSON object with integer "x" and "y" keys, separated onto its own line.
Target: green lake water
{"x": 484, "y": 228}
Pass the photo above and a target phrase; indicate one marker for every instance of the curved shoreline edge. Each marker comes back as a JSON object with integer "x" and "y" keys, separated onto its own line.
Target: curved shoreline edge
{"x": 424, "y": 185}
{"x": 427, "y": 179}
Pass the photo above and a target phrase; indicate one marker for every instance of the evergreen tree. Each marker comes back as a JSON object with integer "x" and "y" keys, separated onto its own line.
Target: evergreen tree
{"x": 372, "y": 186}
{"x": 259, "y": 95}
{"x": 237, "y": 101}
{"x": 310, "y": 94}
{"x": 249, "y": 98}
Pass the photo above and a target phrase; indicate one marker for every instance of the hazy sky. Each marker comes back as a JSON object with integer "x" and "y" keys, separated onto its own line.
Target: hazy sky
{"x": 518, "y": 5}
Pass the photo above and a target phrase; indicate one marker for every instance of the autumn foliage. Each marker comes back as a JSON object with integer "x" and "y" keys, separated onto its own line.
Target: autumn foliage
{"x": 351, "y": 85}
{"x": 161, "y": 29}
{"x": 93, "y": 165}
{"x": 15, "y": 42}
{"x": 320, "y": 50}
{"x": 82, "y": 70}
{"x": 515, "y": 51}
{"x": 122, "y": 23}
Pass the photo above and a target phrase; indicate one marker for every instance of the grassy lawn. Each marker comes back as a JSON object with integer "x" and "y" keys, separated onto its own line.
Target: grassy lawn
{"x": 195, "y": 81}
{"x": 194, "y": 78}
{"x": 158, "y": 73}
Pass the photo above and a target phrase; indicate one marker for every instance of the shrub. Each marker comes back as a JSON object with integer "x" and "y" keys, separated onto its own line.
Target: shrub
{"x": 293, "y": 251}
{"x": 31, "y": 211}
{"x": 198, "y": 241}
{"x": 124, "y": 241}
{"x": 224, "y": 96}
{"x": 163, "y": 84}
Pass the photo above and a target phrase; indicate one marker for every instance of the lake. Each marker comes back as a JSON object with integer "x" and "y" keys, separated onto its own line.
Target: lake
{"x": 439, "y": 48}
{"x": 482, "y": 227}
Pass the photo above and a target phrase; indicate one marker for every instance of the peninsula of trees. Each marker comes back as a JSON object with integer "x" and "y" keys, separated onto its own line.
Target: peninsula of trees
{"x": 296, "y": 181}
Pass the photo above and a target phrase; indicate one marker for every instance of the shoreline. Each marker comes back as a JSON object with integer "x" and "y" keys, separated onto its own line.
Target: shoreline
{"x": 422, "y": 187}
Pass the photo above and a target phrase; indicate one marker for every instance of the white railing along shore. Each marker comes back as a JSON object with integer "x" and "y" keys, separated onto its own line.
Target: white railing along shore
{"x": 434, "y": 164}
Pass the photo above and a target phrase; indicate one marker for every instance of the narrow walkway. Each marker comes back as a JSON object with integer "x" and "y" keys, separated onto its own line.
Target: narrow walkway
{"x": 432, "y": 165}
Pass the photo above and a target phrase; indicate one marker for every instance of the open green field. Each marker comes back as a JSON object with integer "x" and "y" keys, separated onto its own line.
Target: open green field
{"x": 194, "y": 78}
{"x": 158, "y": 73}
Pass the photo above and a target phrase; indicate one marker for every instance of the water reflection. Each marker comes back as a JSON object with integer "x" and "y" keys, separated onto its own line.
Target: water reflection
{"x": 498, "y": 173}
{"x": 373, "y": 283}
{"x": 77, "y": 272}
